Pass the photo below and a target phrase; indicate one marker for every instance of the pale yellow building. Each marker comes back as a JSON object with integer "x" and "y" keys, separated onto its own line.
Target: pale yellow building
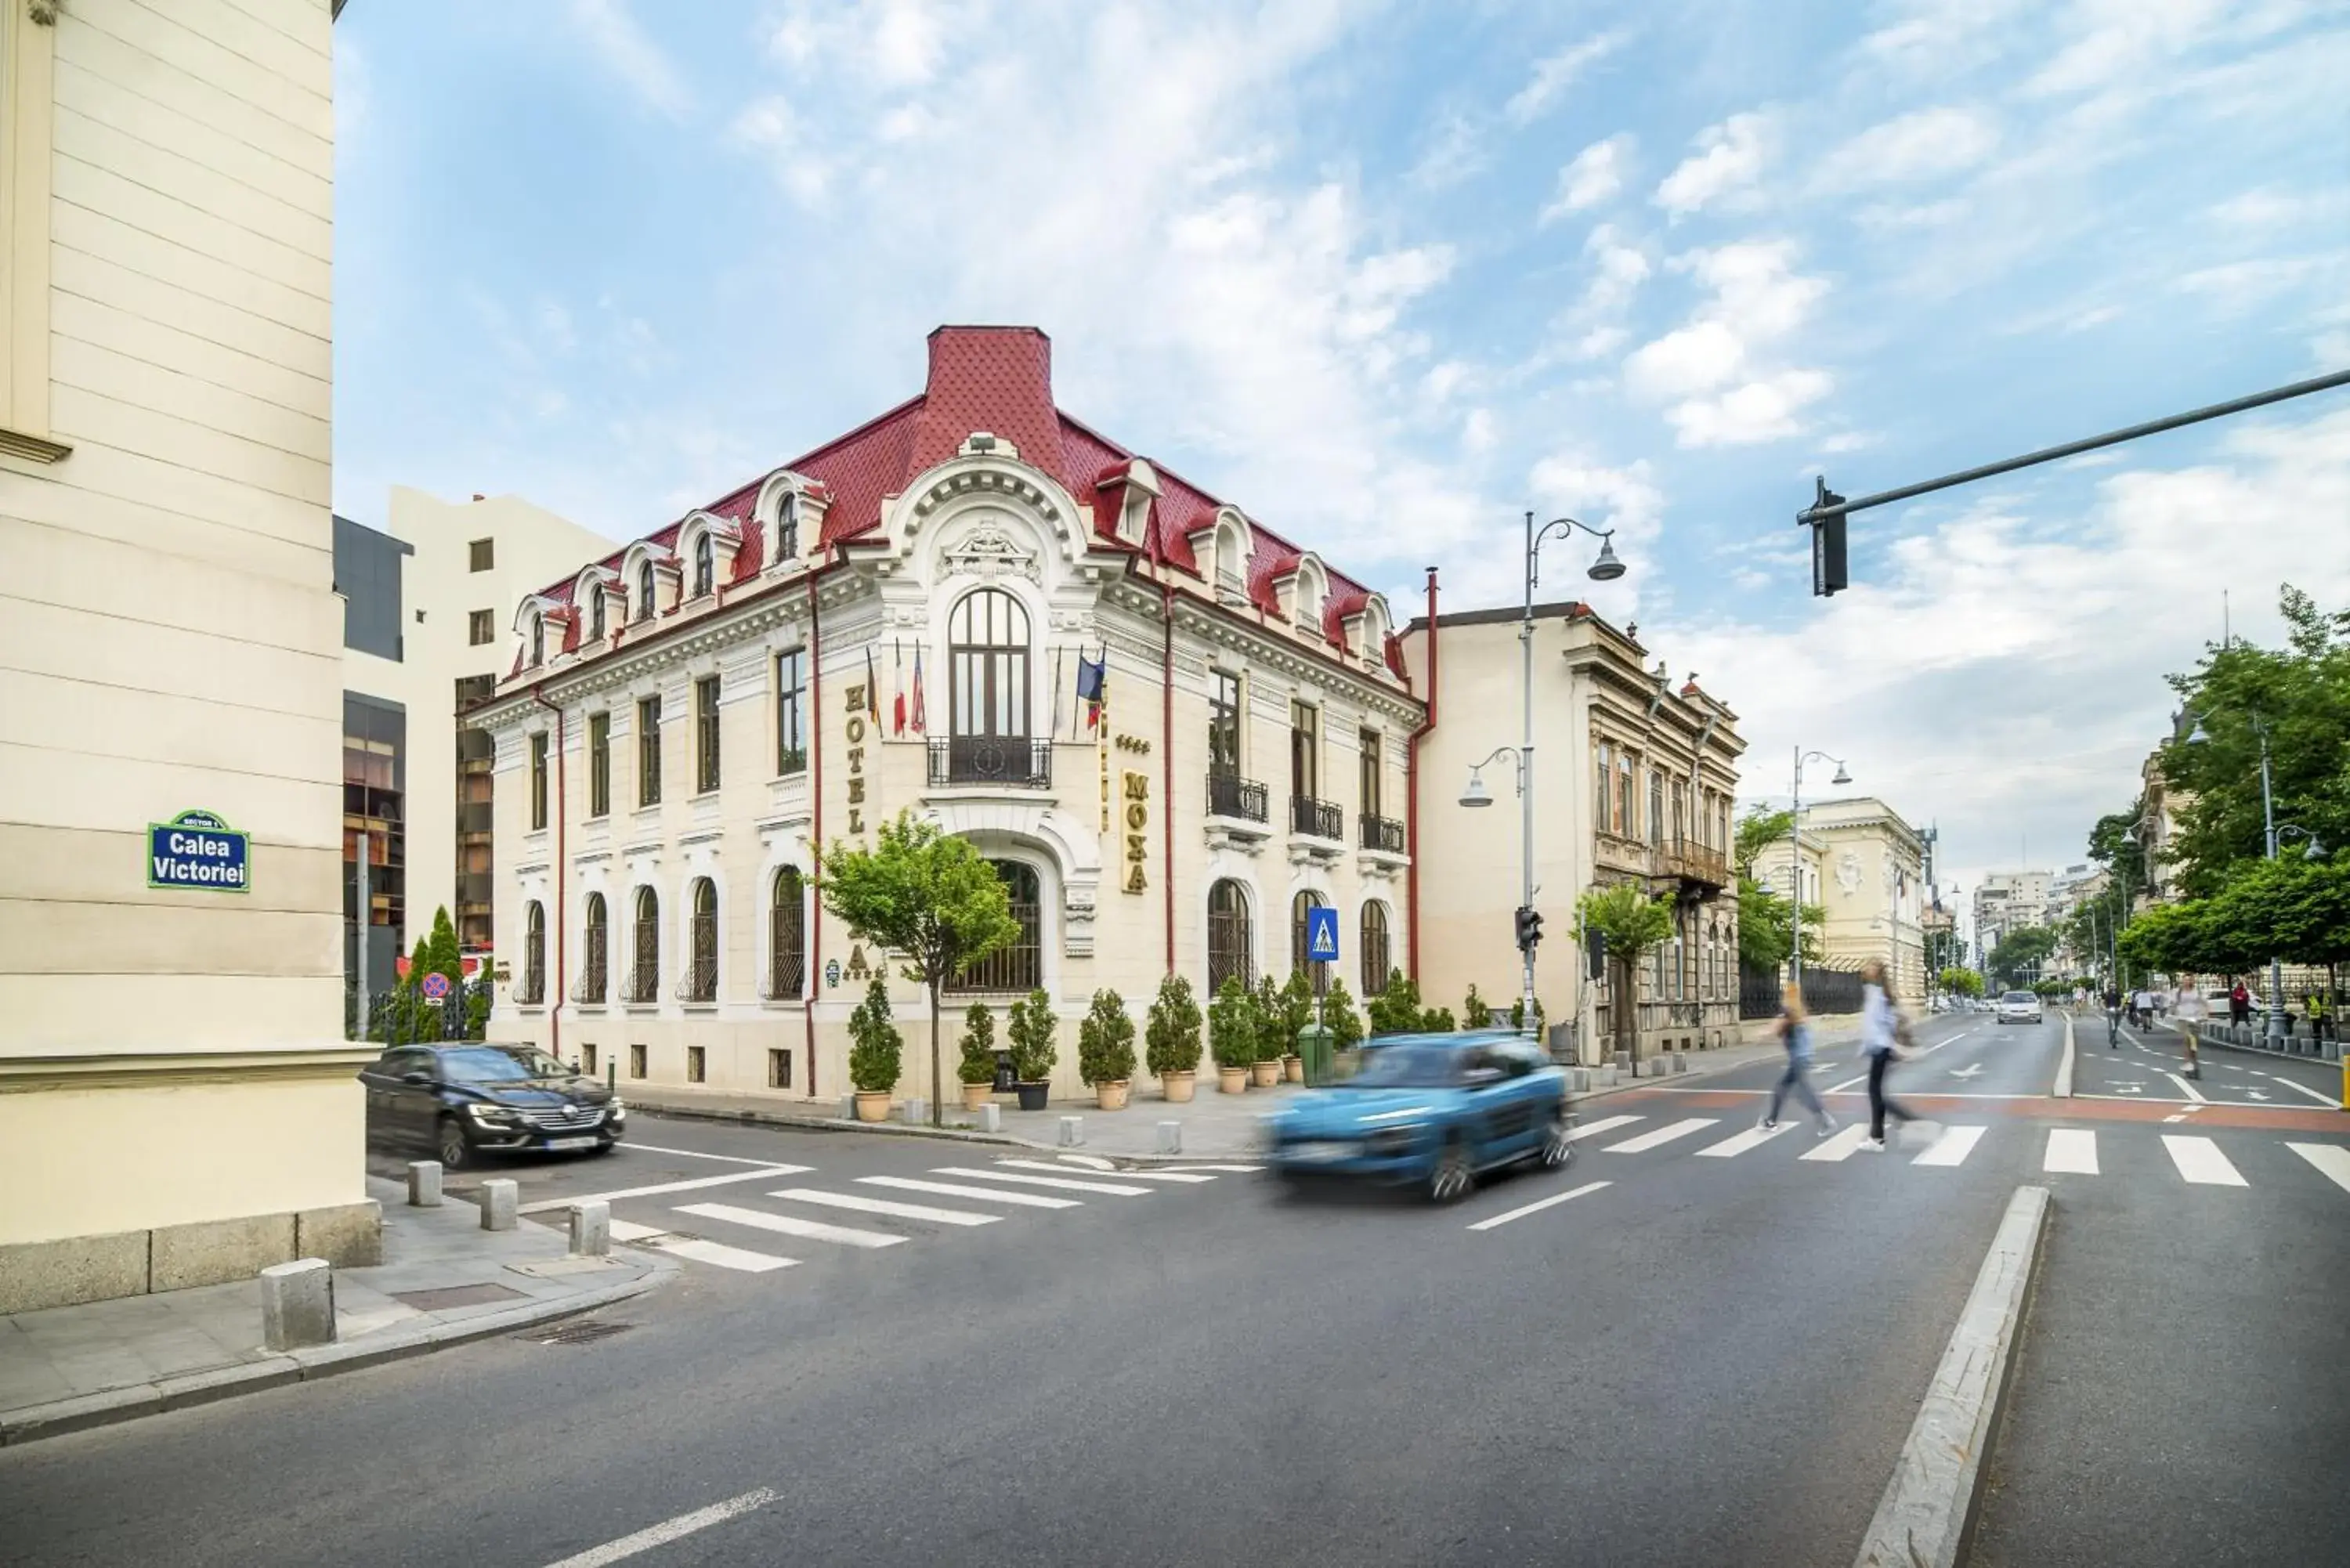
{"x": 177, "y": 1105}
{"x": 1864, "y": 866}
{"x": 1633, "y": 781}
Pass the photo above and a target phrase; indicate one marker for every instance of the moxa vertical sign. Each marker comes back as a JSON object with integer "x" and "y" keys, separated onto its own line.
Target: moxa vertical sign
{"x": 197, "y": 850}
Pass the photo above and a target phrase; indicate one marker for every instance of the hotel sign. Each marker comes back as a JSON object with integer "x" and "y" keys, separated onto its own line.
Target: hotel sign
{"x": 197, "y": 850}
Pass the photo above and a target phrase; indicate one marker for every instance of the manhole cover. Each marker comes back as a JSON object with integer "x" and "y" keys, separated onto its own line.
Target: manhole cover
{"x": 456, "y": 1296}
{"x": 580, "y": 1331}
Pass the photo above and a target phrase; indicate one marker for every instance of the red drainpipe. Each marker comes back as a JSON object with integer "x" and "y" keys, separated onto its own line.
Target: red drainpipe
{"x": 1167, "y": 757}
{"x": 555, "y": 1007}
{"x": 1412, "y": 787}
{"x": 816, "y": 826}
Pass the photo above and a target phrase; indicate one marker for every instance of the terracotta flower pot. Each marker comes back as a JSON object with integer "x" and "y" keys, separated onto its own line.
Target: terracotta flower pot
{"x": 1112, "y": 1096}
{"x": 1292, "y": 1068}
{"x": 1178, "y": 1086}
{"x": 977, "y": 1094}
{"x": 872, "y": 1104}
{"x": 1232, "y": 1080}
{"x": 1264, "y": 1074}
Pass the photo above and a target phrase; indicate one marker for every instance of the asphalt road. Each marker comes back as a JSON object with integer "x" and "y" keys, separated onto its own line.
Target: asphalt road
{"x": 1711, "y": 1357}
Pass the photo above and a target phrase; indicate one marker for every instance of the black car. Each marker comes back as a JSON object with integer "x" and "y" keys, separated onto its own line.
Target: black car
{"x": 465, "y": 1099}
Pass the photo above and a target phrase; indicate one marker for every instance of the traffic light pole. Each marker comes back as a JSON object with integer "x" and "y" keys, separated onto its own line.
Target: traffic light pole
{"x": 1526, "y": 939}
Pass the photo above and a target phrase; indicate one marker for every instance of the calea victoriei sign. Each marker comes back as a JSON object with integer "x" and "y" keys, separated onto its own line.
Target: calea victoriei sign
{"x": 197, "y": 850}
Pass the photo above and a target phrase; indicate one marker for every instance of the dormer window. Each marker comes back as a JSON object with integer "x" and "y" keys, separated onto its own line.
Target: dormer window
{"x": 538, "y": 640}
{"x": 787, "y": 528}
{"x": 595, "y": 613}
{"x": 645, "y": 591}
{"x": 705, "y": 568}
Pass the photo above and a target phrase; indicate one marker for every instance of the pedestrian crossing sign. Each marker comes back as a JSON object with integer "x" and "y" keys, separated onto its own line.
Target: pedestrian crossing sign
{"x": 1322, "y": 934}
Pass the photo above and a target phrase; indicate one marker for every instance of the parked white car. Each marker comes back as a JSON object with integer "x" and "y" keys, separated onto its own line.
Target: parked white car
{"x": 2021, "y": 1007}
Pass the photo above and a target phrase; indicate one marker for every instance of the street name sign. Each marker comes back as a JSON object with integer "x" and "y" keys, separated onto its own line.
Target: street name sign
{"x": 197, "y": 850}
{"x": 1322, "y": 934}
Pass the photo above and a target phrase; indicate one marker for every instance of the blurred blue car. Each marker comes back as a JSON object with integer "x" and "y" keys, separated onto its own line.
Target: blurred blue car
{"x": 1431, "y": 1110}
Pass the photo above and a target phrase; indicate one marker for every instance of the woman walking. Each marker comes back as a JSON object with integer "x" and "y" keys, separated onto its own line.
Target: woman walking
{"x": 1880, "y": 1028}
{"x": 2188, "y": 1006}
{"x": 1795, "y": 1034}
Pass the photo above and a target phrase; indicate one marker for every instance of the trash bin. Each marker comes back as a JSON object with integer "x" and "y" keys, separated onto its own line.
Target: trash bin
{"x": 1314, "y": 1043}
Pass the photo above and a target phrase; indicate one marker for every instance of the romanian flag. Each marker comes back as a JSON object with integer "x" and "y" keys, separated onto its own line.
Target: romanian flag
{"x": 897, "y": 686}
{"x": 872, "y": 692}
{"x": 1093, "y": 686}
{"x": 921, "y": 720}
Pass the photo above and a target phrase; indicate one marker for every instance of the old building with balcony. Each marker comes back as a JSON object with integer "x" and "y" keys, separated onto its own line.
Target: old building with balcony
{"x": 1634, "y": 777}
{"x": 909, "y": 618}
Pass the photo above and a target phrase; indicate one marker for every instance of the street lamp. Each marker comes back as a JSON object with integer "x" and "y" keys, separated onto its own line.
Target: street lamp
{"x": 2200, "y": 736}
{"x": 1795, "y": 850}
{"x": 1604, "y": 567}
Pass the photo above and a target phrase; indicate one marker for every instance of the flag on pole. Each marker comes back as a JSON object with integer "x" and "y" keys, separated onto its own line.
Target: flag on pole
{"x": 1060, "y": 668}
{"x": 921, "y": 721}
{"x": 897, "y": 688}
{"x": 1090, "y": 686}
{"x": 872, "y": 692}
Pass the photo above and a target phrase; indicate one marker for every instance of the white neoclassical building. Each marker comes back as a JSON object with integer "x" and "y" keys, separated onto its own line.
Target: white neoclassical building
{"x": 899, "y": 620}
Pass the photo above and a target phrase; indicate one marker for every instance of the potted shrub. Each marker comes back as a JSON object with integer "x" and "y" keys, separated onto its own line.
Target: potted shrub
{"x": 977, "y": 1068}
{"x": 1231, "y": 1034}
{"x": 1028, "y": 1029}
{"x": 1294, "y": 1011}
{"x": 1106, "y": 1050}
{"x": 1172, "y": 1039}
{"x": 1265, "y": 1067}
{"x": 1346, "y": 1026}
{"x": 873, "y": 1051}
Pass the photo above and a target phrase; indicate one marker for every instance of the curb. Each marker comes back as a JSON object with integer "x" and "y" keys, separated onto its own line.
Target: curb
{"x": 1926, "y": 1515}
{"x": 31, "y": 1423}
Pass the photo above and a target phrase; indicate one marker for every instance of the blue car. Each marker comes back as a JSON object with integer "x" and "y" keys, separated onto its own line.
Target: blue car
{"x": 1431, "y": 1110}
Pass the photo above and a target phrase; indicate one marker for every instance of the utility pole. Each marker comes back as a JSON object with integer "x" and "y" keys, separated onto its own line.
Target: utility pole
{"x": 367, "y": 917}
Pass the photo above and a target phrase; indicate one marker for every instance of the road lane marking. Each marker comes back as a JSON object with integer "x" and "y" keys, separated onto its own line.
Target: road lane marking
{"x": 669, "y": 1530}
{"x": 1753, "y": 1137}
{"x": 1537, "y": 1205}
{"x": 865, "y": 1205}
{"x": 1848, "y": 1083}
{"x": 1661, "y": 1136}
{"x": 1841, "y": 1147}
{"x": 2198, "y": 1161}
{"x": 994, "y": 1195}
{"x": 1090, "y": 1162}
{"x": 2071, "y": 1150}
{"x": 1593, "y": 1129}
{"x": 1122, "y": 1175}
{"x": 2187, "y": 1089}
{"x": 629, "y": 1230}
{"x": 1062, "y": 1184}
{"x": 1952, "y": 1147}
{"x": 2331, "y": 1158}
{"x": 2328, "y": 1101}
{"x": 791, "y": 1225}
{"x": 1241, "y": 1169}
{"x": 762, "y": 1174}
{"x": 631, "y": 1146}
{"x": 719, "y": 1255}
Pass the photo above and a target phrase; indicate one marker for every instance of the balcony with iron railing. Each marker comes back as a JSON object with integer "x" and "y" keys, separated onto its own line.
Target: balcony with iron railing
{"x": 699, "y": 983}
{"x": 1613, "y": 852}
{"x": 530, "y": 989}
{"x": 1006, "y": 762}
{"x": 593, "y": 982}
{"x": 1699, "y": 865}
{"x": 1316, "y": 818}
{"x": 642, "y": 985}
{"x": 1383, "y": 833}
{"x": 1229, "y": 794}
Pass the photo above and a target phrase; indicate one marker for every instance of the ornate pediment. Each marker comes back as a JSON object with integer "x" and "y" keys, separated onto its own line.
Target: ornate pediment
{"x": 986, "y": 549}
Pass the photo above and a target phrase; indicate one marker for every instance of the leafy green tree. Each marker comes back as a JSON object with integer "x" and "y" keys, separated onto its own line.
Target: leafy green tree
{"x": 874, "y": 1043}
{"x": 1518, "y": 1016}
{"x": 1295, "y": 1010}
{"x": 977, "y": 1064}
{"x": 1029, "y": 1027}
{"x": 1338, "y": 1015}
{"x": 1962, "y": 982}
{"x": 1942, "y": 950}
{"x": 1171, "y": 1039}
{"x": 2022, "y": 952}
{"x": 1232, "y": 1025}
{"x": 2297, "y": 910}
{"x": 1632, "y": 923}
{"x": 2168, "y": 939}
{"x": 1395, "y": 1010}
{"x": 1269, "y": 1012}
{"x": 1106, "y": 1041}
{"x": 1439, "y": 1022}
{"x": 926, "y": 895}
{"x": 1474, "y": 1009}
{"x": 1757, "y": 831}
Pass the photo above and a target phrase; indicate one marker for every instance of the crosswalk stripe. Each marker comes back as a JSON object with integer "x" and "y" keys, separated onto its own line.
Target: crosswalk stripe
{"x": 629, "y": 1230}
{"x": 991, "y": 1194}
{"x": 2198, "y": 1161}
{"x": 1842, "y": 1144}
{"x": 2071, "y": 1151}
{"x": 1122, "y": 1175}
{"x": 865, "y": 1205}
{"x": 1661, "y": 1136}
{"x": 1952, "y": 1147}
{"x": 1237, "y": 1169}
{"x": 725, "y": 1257}
{"x": 1052, "y": 1181}
{"x": 763, "y": 1172}
{"x": 1593, "y": 1129}
{"x": 1753, "y": 1137}
{"x": 791, "y": 1225}
{"x": 2331, "y": 1158}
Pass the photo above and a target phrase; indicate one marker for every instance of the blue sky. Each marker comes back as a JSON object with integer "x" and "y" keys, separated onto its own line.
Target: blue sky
{"x": 1388, "y": 275}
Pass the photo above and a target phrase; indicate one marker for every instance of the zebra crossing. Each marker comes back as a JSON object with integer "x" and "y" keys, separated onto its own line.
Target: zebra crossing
{"x": 1008, "y": 1189}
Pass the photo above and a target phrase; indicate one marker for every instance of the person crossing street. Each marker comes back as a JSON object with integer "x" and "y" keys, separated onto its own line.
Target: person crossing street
{"x": 2188, "y": 1006}
{"x": 1881, "y": 1028}
{"x": 1795, "y": 1034}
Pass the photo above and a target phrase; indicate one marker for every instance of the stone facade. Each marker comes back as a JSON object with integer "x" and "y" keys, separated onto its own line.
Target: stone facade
{"x": 1871, "y": 888}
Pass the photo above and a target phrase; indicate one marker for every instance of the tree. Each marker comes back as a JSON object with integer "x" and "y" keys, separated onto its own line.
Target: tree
{"x": 1756, "y": 831}
{"x": 1766, "y": 928}
{"x": 1172, "y": 1038}
{"x": 1475, "y": 1009}
{"x": 2019, "y": 953}
{"x": 874, "y": 1049}
{"x": 2291, "y": 909}
{"x": 1632, "y": 923}
{"x": 977, "y": 1064}
{"x": 1942, "y": 950}
{"x": 927, "y": 895}
{"x": 2168, "y": 939}
{"x": 1294, "y": 1010}
{"x": 1232, "y": 1025}
{"x": 1106, "y": 1041}
{"x": 1338, "y": 1015}
{"x": 1962, "y": 982}
{"x": 1029, "y": 1028}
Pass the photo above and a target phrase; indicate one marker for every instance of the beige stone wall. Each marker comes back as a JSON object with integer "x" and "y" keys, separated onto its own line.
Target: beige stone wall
{"x": 171, "y": 639}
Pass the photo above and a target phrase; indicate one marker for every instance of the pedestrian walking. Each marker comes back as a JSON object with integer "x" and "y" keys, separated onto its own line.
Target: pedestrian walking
{"x": 2188, "y": 1006}
{"x": 1882, "y": 1030}
{"x": 1795, "y": 1034}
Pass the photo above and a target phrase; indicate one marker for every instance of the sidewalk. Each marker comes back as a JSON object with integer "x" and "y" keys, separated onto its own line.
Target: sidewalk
{"x": 444, "y": 1281}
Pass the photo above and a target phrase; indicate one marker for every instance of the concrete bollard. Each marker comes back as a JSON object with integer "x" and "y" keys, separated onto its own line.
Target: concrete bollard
{"x": 1624, "y": 1062}
{"x": 498, "y": 1202}
{"x": 298, "y": 1304}
{"x": 1681, "y": 1061}
{"x": 1073, "y": 1132}
{"x": 991, "y": 1118}
{"x": 848, "y": 1107}
{"x": 917, "y": 1111}
{"x": 1170, "y": 1138}
{"x": 424, "y": 1184}
{"x": 591, "y": 1229}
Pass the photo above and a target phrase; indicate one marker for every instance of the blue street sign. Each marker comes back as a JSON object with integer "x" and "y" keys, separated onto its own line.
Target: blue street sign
{"x": 197, "y": 850}
{"x": 1322, "y": 934}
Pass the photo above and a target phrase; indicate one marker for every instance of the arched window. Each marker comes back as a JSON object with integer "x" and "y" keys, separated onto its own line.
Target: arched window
{"x": 1232, "y": 947}
{"x": 702, "y": 945}
{"x": 988, "y": 663}
{"x": 538, "y": 640}
{"x": 595, "y": 613}
{"x": 1231, "y": 564}
{"x": 787, "y": 528}
{"x": 1375, "y": 949}
{"x": 595, "y": 936}
{"x": 705, "y": 564}
{"x": 534, "y": 953}
{"x": 644, "y": 606}
{"x": 644, "y": 948}
{"x": 1019, "y": 968}
{"x": 1297, "y": 908}
{"x": 788, "y": 936}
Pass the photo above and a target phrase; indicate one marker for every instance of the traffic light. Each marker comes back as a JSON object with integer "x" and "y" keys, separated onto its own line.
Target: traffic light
{"x": 1594, "y": 955}
{"x": 1827, "y": 544}
{"x": 1529, "y": 929}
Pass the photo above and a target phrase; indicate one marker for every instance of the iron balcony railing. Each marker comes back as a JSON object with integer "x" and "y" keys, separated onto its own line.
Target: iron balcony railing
{"x": 1016, "y": 761}
{"x": 593, "y": 979}
{"x": 1694, "y": 861}
{"x": 531, "y": 989}
{"x": 1229, "y": 794}
{"x": 643, "y": 983}
{"x": 700, "y": 981}
{"x": 1318, "y": 819}
{"x": 1383, "y": 833}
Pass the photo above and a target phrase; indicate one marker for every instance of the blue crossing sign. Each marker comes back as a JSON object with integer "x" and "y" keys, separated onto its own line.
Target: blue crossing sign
{"x": 1322, "y": 934}
{"x": 196, "y": 849}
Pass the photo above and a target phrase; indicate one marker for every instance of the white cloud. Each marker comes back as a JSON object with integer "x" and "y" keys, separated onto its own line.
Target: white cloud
{"x": 1728, "y": 161}
{"x": 1691, "y": 359}
{"x": 1454, "y": 153}
{"x": 609, "y": 30}
{"x": 1709, "y": 369}
{"x": 1925, "y": 144}
{"x": 1764, "y": 409}
{"x": 1595, "y": 175}
{"x": 1478, "y": 433}
{"x": 2236, "y": 286}
{"x": 908, "y": 41}
{"x": 1556, "y": 74}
